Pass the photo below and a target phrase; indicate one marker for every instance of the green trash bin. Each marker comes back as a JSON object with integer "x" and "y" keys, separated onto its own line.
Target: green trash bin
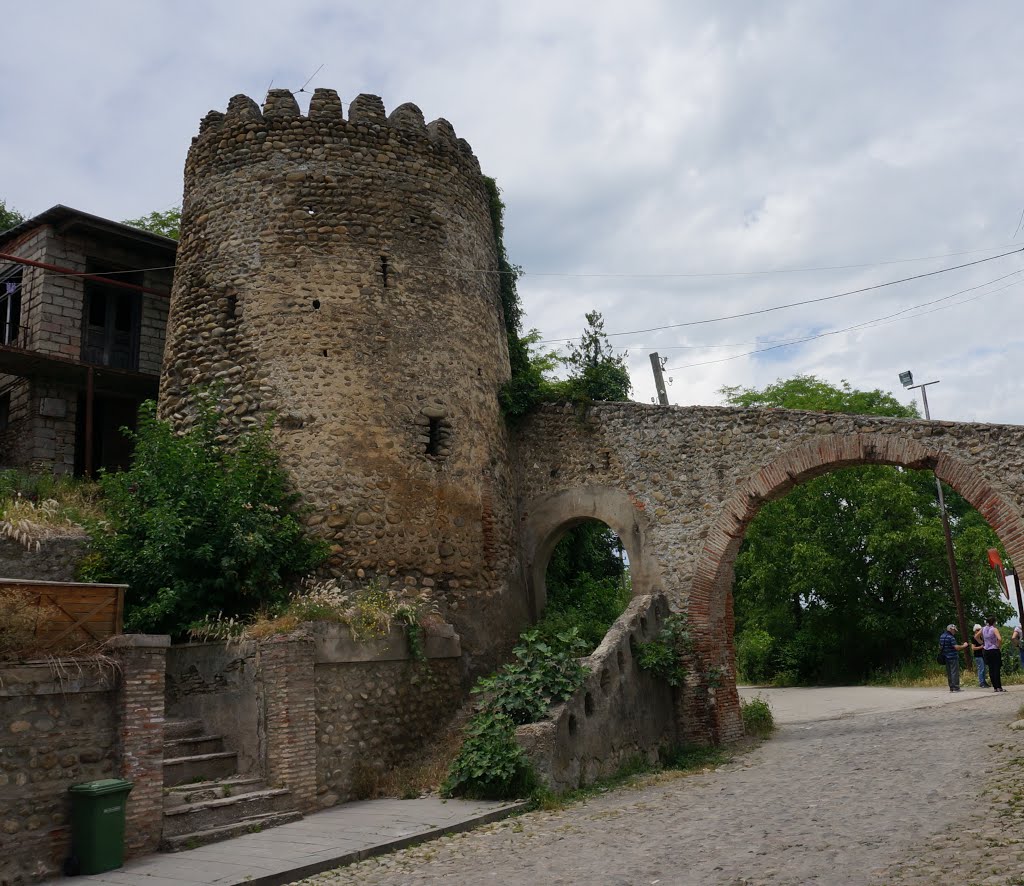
{"x": 97, "y": 824}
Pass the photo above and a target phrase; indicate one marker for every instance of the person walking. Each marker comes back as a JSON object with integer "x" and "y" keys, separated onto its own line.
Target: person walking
{"x": 993, "y": 653}
{"x": 949, "y": 649}
{"x": 1016, "y": 639}
{"x": 978, "y": 648}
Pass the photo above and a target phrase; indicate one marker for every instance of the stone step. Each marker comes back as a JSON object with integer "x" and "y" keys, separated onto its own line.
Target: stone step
{"x": 193, "y": 745}
{"x": 200, "y": 767}
{"x": 190, "y": 818}
{"x": 223, "y": 832}
{"x": 195, "y": 792}
{"x": 176, "y": 727}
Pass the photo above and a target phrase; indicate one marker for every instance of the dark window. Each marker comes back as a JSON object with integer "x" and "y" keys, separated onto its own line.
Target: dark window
{"x": 5, "y": 410}
{"x": 110, "y": 336}
{"x": 10, "y": 306}
{"x": 434, "y": 433}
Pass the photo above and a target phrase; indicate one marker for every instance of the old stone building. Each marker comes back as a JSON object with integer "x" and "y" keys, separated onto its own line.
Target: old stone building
{"x": 341, "y": 273}
{"x": 83, "y": 308}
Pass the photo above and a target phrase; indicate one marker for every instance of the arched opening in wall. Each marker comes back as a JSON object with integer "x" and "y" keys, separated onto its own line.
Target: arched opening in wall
{"x": 588, "y": 582}
{"x": 845, "y": 580}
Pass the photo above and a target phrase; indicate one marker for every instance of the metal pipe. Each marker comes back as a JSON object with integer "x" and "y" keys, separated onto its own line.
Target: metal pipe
{"x": 89, "y": 397}
{"x": 954, "y": 576}
{"x": 71, "y": 272}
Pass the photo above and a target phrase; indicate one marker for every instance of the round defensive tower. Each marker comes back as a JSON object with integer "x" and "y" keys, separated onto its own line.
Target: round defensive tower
{"x": 340, "y": 273}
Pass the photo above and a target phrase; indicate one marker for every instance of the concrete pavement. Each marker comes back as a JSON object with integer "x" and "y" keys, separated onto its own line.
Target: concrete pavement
{"x": 800, "y": 704}
{"x": 319, "y": 842}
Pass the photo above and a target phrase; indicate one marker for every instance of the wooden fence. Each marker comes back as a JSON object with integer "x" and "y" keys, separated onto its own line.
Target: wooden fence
{"x": 71, "y": 613}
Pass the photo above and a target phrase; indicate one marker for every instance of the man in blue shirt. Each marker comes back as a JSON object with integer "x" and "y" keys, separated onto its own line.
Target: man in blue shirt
{"x": 949, "y": 649}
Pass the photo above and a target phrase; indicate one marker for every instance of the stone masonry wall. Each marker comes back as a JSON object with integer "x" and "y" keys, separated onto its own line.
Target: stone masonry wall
{"x": 696, "y": 476}
{"x": 371, "y": 716}
{"x": 64, "y": 722}
{"x": 340, "y": 273}
{"x": 619, "y": 714}
{"x": 56, "y": 560}
{"x": 55, "y": 733}
{"x": 319, "y": 712}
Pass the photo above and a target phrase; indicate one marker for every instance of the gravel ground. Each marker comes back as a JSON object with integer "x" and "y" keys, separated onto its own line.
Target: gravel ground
{"x": 933, "y": 795}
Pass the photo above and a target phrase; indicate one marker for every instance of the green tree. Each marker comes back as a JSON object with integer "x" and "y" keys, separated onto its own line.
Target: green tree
{"x": 196, "y": 527}
{"x": 848, "y": 571}
{"x": 9, "y": 216}
{"x": 596, "y": 371}
{"x": 166, "y": 223}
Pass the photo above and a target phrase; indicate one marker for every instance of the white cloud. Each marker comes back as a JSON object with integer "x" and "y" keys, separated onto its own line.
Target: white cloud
{"x": 639, "y": 139}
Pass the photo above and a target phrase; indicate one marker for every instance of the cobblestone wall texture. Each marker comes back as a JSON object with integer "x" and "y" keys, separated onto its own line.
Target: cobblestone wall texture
{"x": 53, "y": 734}
{"x": 339, "y": 271}
{"x": 697, "y": 475}
{"x": 371, "y": 716}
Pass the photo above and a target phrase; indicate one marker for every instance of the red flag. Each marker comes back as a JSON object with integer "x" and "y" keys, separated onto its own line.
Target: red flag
{"x": 996, "y": 562}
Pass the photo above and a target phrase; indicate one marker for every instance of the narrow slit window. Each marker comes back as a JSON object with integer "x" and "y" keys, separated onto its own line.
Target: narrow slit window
{"x": 434, "y": 437}
{"x": 384, "y": 270}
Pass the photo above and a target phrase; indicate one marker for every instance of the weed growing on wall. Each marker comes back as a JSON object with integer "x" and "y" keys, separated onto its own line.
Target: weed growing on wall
{"x": 368, "y": 611}
{"x": 491, "y": 765}
{"x": 666, "y": 656}
{"x": 197, "y": 526}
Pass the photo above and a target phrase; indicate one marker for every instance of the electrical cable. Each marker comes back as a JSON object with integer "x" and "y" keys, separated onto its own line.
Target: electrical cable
{"x": 889, "y": 318}
{"x": 796, "y": 304}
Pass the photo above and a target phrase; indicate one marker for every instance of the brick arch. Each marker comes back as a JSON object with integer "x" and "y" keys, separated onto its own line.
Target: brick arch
{"x": 710, "y": 605}
{"x": 545, "y": 520}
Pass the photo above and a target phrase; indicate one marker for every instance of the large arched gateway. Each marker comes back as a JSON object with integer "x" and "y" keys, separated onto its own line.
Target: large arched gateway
{"x": 680, "y": 486}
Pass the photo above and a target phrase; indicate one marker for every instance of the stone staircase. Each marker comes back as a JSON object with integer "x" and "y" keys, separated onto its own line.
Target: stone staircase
{"x": 205, "y": 798}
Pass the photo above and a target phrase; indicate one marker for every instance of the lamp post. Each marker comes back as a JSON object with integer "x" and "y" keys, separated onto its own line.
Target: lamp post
{"x": 907, "y": 380}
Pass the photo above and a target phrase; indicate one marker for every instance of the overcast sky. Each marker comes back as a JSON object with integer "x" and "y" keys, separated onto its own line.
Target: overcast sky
{"x": 662, "y": 162}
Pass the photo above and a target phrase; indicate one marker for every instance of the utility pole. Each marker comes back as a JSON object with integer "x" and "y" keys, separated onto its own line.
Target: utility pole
{"x": 659, "y": 379}
{"x": 907, "y": 379}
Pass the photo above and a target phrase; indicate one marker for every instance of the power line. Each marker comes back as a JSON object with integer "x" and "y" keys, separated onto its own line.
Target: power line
{"x": 869, "y": 323}
{"x": 796, "y": 304}
{"x": 874, "y": 264}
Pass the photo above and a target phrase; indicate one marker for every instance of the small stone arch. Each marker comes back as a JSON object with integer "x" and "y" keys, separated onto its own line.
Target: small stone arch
{"x": 546, "y": 519}
{"x": 709, "y": 604}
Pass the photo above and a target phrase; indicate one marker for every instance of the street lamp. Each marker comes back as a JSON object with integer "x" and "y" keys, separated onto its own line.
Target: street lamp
{"x": 907, "y": 380}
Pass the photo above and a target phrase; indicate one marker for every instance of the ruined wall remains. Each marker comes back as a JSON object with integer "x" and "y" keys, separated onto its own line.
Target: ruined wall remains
{"x": 339, "y": 272}
{"x": 620, "y": 713}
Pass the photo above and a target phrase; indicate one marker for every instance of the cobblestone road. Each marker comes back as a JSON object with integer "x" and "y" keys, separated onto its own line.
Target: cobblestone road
{"x": 910, "y": 797}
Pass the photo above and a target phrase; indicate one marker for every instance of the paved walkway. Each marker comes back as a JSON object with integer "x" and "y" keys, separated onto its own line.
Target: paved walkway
{"x": 319, "y": 842}
{"x": 852, "y": 789}
{"x": 870, "y": 793}
{"x": 800, "y": 704}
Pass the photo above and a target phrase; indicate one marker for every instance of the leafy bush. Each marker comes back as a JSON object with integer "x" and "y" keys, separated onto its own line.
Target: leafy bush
{"x": 757, "y": 717}
{"x": 197, "y": 527}
{"x": 755, "y": 655}
{"x": 491, "y": 764}
{"x": 590, "y": 606}
{"x": 666, "y": 656}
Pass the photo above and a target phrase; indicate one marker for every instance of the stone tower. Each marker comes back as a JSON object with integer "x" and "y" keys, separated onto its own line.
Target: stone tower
{"x": 340, "y": 272}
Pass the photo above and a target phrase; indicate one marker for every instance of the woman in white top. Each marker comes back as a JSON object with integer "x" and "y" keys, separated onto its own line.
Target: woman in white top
{"x": 993, "y": 653}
